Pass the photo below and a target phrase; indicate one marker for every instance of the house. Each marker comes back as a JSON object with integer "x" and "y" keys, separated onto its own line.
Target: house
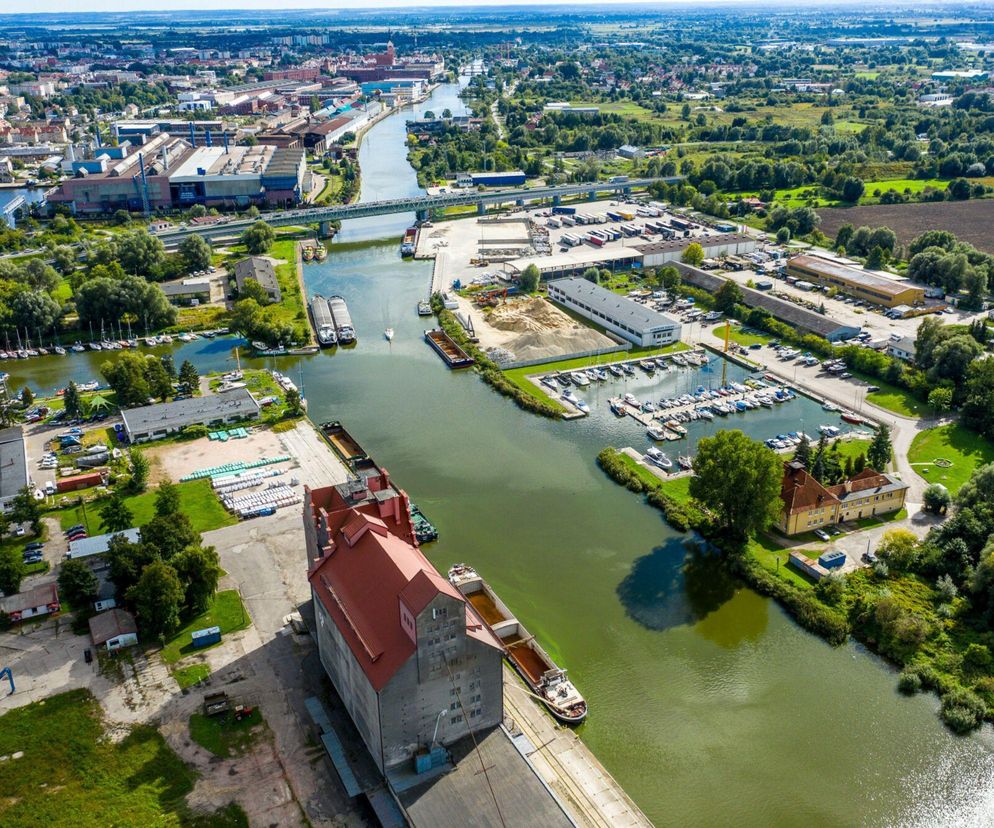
{"x": 40, "y": 600}
{"x": 809, "y": 505}
{"x": 903, "y": 348}
{"x": 13, "y": 465}
{"x": 188, "y": 291}
{"x": 630, "y": 152}
{"x": 413, "y": 665}
{"x": 260, "y": 270}
{"x": 114, "y": 629}
{"x": 152, "y": 422}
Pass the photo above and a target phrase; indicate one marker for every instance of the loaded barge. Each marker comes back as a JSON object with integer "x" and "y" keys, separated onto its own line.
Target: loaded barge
{"x": 324, "y": 324}
{"x": 445, "y": 345}
{"x": 409, "y": 243}
{"x": 545, "y": 678}
{"x": 343, "y": 321}
{"x": 361, "y": 465}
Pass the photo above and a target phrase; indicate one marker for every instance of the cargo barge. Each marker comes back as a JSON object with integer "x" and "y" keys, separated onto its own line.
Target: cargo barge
{"x": 445, "y": 345}
{"x": 344, "y": 331}
{"x": 321, "y": 318}
{"x": 409, "y": 243}
{"x": 545, "y": 678}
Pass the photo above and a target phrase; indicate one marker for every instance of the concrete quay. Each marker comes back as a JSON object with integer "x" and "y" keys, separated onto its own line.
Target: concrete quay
{"x": 585, "y": 788}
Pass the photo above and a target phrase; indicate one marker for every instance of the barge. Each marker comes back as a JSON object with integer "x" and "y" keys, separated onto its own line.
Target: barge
{"x": 424, "y": 530}
{"x": 345, "y": 446}
{"x": 343, "y": 320}
{"x": 324, "y": 323}
{"x": 545, "y": 678}
{"x": 409, "y": 243}
{"x": 445, "y": 345}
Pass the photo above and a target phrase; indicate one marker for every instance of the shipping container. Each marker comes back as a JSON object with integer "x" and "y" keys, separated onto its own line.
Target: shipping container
{"x": 681, "y": 224}
{"x": 568, "y": 221}
{"x": 596, "y": 241}
{"x": 553, "y": 222}
{"x": 570, "y": 240}
{"x": 205, "y": 637}
{"x": 630, "y": 230}
{"x": 832, "y": 560}
{"x": 563, "y": 211}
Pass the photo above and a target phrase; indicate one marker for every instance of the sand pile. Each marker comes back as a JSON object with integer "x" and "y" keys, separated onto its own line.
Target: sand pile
{"x": 529, "y": 315}
{"x": 533, "y": 329}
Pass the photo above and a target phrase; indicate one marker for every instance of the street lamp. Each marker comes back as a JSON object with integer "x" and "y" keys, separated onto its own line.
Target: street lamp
{"x": 437, "y": 720}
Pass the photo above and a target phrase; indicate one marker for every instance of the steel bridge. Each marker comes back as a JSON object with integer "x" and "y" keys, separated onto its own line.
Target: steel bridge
{"x": 421, "y": 205}
{"x": 12, "y": 210}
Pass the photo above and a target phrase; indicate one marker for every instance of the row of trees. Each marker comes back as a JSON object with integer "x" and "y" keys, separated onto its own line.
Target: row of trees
{"x": 137, "y": 378}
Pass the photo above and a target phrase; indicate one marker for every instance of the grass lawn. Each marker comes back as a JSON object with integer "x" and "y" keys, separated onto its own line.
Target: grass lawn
{"x": 741, "y": 336}
{"x": 197, "y": 501}
{"x": 519, "y": 376}
{"x": 223, "y": 735}
{"x": 69, "y": 768}
{"x": 964, "y": 449}
{"x": 775, "y": 559}
{"x": 897, "y": 400}
{"x": 226, "y": 611}
{"x": 191, "y": 674}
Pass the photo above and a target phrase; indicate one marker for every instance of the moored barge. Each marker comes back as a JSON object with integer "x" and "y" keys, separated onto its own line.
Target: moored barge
{"x": 546, "y": 679}
{"x": 445, "y": 345}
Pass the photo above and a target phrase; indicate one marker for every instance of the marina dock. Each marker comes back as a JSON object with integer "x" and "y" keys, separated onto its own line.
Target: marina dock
{"x": 567, "y": 766}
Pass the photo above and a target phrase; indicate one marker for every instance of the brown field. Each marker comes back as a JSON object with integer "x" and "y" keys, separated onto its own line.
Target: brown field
{"x": 971, "y": 221}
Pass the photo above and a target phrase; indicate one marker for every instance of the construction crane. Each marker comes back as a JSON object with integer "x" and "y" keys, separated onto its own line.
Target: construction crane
{"x": 724, "y": 362}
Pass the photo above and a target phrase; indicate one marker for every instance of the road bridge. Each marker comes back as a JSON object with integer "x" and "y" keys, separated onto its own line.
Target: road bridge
{"x": 12, "y": 210}
{"x": 421, "y": 205}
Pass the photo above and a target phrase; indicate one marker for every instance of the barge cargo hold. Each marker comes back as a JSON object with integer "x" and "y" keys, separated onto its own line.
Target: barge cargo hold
{"x": 343, "y": 321}
{"x": 454, "y": 356}
{"x": 321, "y": 318}
{"x": 545, "y": 678}
{"x": 410, "y": 242}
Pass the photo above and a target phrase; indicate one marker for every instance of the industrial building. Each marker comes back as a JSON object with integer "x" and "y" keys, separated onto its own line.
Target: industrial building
{"x": 413, "y": 667}
{"x": 668, "y": 251}
{"x": 804, "y": 320}
{"x": 13, "y": 465}
{"x": 630, "y": 320}
{"x": 98, "y": 544}
{"x": 153, "y": 422}
{"x": 876, "y": 290}
{"x": 512, "y": 178}
{"x": 170, "y": 172}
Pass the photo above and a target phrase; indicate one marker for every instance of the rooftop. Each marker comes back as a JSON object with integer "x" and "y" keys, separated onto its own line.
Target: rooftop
{"x": 178, "y": 413}
{"x": 218, "y": 161}
{"x": 13, "y": 462}
{"x": 800, "y": 491}
{"x": 838, "y": 270}
{"x": 111, "y": 624}
{"x": 98, "y": 544}
{"x": 671, "y": 245}
{"x": 614, "y": 307}
{"x": 37, "y": 596}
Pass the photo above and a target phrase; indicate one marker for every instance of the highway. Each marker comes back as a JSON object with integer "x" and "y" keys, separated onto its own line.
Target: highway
{"x": 421, "y": 204}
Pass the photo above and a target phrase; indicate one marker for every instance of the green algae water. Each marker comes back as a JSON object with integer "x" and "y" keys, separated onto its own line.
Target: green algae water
{"x": 707, "y": 703}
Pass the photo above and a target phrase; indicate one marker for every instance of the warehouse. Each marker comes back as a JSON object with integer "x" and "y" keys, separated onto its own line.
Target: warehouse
{"x": 630, "y": 320}
{"x": 655, "y": 254}
{"x": 153, "y": 422}
{"x": 13, "y": 465}
{"x": 804, "y": 320}
{"x": 577, "y": 259}
{"x": 98, "y": 544}
{"x": 861, "y": 284}
{"x": 512, "y": 178}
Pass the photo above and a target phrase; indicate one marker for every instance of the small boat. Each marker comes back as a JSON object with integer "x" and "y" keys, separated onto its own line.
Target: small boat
{"x": 628, "y": 370}
{"x": 658, "y": 458}
{"x": 616, "y": 408}
{"x": 849, "y": 417}
{"x": 656, "y": 433}
{"x": 569, "y": 396}
{"x": 78, "y": 348}
{"x": 685, "y": 463}
{"x": 615, "y": 370}
{"x": 308, "y": 253}
{"x": 424, "y": 308}
{"x": 88, "y": 386}
{"x": 648, "y": 366}
{"x": 542, "y": 675}
{"x": 582, "y": 406}
{"x": 828, "y": 405}
{"x": 320, "y": 253}
{"x": 59, "y": 350}
{"x": 581, "y": 379}
{"x": 388, "y": 333}
{"x": 151, "y": 341}
{"x": 630, "y": 399}
{"x": 166, "y": 339}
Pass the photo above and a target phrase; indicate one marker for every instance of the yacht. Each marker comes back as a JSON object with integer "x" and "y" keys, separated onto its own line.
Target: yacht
{"x": 582, "y": 406}
{"x": 388, "y": 333}
{"x": 615, "y": 370}
{"x": 580, "y": 379}
{"x": 655, "y": 433}
{"x": 630, "y": 399}
{"x": 658, "y": 458}
{"x": 629, "y": 371}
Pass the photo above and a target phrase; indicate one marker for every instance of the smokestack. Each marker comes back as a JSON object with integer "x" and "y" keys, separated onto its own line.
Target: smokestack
{"x": 193, "y": 137}
{"x": 209, "y": 141}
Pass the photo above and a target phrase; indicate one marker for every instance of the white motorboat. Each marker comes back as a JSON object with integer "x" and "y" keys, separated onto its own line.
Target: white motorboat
{"x": 655, "y": 433}
{"x": 658, "y": 458}
{"x": 388, "y": 333}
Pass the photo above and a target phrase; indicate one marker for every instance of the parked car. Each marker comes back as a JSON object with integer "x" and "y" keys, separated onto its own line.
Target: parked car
{"x": 821, "y": 534}
{"x": 34, "y": 545}
{"x": 88, "y": 656}
{"x": 870, "y": 557}
{"x": 75, "y": 528}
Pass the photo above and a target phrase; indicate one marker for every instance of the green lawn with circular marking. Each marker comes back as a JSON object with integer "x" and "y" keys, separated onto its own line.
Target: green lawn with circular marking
{"x": 962, "y": 448}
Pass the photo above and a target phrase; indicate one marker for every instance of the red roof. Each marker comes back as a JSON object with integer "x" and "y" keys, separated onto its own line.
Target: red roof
{"x": 369, "y": 565}
{"x": 801, "y": 492}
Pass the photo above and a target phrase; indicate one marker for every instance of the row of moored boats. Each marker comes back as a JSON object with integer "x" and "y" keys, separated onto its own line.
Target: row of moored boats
{"x": 106, "y": 345}
{"x": 332, "y": 321}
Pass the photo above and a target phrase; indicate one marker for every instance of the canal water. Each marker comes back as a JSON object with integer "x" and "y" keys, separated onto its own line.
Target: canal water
{"x": 707, "y": 703}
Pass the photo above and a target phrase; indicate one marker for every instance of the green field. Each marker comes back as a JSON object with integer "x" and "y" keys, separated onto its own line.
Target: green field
{"x": 740, "y": 336}
{"x": 197, "y": 501}
{"x": 226, "y": 611}
{"x": 963, "y": 448}
{"x": 775, "y": 559}
{"x": 71, "y": 775}
{"x": 898, "y": 400}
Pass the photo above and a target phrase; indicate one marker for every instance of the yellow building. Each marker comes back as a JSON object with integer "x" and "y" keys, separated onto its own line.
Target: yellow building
{"x": 876, "y": 290}
{"x": 808, "y": 505}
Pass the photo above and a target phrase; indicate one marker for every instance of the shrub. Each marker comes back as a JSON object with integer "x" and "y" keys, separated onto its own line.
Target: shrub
{"x": 963, "y": 710}
{"x": 909, "y": 682}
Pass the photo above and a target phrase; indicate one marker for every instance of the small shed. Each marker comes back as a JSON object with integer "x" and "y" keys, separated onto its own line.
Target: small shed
{"x": 833, "y": 559}
{"x": 40, "y": 600}
{"x": 79, "y": 481}
{"x": 114, "y": 629}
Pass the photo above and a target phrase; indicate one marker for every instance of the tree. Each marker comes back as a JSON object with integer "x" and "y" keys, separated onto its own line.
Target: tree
{"x": 77, "y": 583}
{"x": 195, "y": 253}
{"x": 199, "y": 569}
{"x": 25, "y": 509}
{"x": 189, "y": 379}
{"x": 159, "y": 384}
{"x": 852, "y": 189}
{"x": 877, "y": 259}
{"x": 169, "y": 534}
{"x": 936, "y": 499}
{"x": 738, "y": 479}
{"x": 72, "y": 402}
{"x": 728, "y": 296}
{"x": 167, "y": 500}
{"x": 669, "y": 277}
{"x": 34, "y": 310}
{"x": 140, "y": 253}
{"x": 529, "y": 279}
{"x": 803, "y": 452}
{"x": 126, "y": 560}
{"x": 294, "y": 406}
{"x": 126, "y": 376}
{"x": 157, "y": 598}
{"x": 879, "y": 454}
{"x": 693, "y": 255}
{"x": 168, "y": 365}
{"x": 783, "y": 235}
{"x": 941, "y": 398}
{"x": 115, "y": 516}
{"x": 27, "y": 396}
{"x": 107, "y": 297}
{"x": 64, "y": 258}
{"x": 592, "y": 274}
{"x": 12, "y": 571}
{"x": 899, "y": 548}
{"x": 258, "y": 238}
{"x": 139, "y": 469}
{"x": 39, "y": 276}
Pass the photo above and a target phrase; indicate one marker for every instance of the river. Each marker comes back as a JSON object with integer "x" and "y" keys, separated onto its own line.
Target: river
{"x": 707, "y": 703}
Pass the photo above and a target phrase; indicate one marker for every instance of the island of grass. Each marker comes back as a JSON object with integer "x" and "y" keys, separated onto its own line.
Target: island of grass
{"x": 949, "y": 454}
{"x": 69, "y": 773}
{"x": 226, "y": 735}
{"x": 225, "y": 611}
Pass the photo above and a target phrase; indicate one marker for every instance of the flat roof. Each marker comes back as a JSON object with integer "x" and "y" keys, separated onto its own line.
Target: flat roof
{"x": 670, "y": 245}
{"x": 830, "y": 267}
{"x": 98, "y": 544}
{"x": 508, "y": 793}
{"x": 13, "y": 462}
{"x": 581, "y": 255}
{"x": 216, "y": 161}
{"x": 616, "y": 308}
{"x": 178, "y": 413}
